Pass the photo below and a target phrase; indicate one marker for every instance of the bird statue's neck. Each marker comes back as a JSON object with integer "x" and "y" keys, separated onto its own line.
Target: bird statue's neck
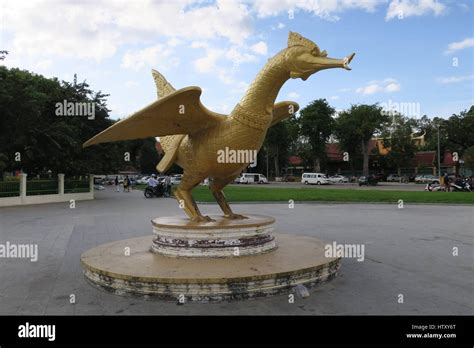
{"x": 257, "y": 104}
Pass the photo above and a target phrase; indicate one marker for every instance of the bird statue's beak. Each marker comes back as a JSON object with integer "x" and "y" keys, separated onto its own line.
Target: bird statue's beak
{"x": 329, "y": 63}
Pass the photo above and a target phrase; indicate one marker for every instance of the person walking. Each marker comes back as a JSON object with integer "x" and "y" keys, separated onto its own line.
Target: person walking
{"x": 117, "y": 184}
{"x": 447, "y": 186}
{"x": 168, "y": 186}
{"x": 126, "y": 184}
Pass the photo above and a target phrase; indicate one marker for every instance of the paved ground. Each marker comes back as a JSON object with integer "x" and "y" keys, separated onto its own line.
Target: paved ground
{"x": 407, "y": 251}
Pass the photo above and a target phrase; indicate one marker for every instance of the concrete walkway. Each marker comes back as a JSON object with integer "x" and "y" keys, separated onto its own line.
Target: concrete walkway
{"x": 407, "y": 251}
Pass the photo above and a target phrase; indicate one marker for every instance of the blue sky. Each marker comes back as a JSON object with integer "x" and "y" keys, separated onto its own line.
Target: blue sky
{"x": 407, "y": 51}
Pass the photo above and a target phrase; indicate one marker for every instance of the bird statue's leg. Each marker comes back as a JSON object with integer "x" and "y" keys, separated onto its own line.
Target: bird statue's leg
{"x": 216, "y": 188}
{"x": 186, "y": 201}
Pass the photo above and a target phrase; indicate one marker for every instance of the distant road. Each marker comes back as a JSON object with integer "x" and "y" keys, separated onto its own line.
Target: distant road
{"x": 381, "y": 186}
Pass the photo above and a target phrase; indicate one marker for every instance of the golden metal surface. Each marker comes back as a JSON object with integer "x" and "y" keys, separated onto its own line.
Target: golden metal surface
{"x": 192, "y": 135}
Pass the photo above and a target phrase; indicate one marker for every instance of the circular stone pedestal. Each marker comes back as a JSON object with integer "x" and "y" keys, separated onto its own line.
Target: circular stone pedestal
{"x": 297, "y": 260}
{"x": 176, "y": 236}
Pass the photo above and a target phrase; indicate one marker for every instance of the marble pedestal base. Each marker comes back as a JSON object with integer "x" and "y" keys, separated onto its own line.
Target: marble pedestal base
{"x": 176, "y": 236}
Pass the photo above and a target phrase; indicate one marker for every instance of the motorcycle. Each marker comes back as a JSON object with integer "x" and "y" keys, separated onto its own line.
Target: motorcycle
{"x": 431, "y": 188}
{"x": 157, "y": 191}
{"x": 461, "y": 186}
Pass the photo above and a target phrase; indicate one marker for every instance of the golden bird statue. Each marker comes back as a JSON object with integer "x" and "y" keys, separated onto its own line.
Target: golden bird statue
{"x": 192, "y": 136}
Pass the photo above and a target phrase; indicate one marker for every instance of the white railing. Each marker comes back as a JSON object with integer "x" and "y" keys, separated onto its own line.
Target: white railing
{"x": 24, "y": 199}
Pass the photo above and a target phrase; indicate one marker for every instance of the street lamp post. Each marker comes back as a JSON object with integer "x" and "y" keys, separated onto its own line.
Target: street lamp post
{"x": 439, "y": 157}
{"x": 267, "y": 161}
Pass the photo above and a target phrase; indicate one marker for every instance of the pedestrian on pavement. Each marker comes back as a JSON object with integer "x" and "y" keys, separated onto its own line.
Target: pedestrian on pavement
{"x": 126, "y": 184}
{"x": 167, "y": 186}
{"x": 117, "y": 184}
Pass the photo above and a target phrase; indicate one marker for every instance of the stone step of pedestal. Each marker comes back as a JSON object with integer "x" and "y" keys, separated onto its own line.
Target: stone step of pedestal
{"x": 297, "y": 260}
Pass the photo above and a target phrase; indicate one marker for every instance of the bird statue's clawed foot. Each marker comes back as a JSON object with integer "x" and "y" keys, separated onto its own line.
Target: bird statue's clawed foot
{"x": 233, "y": 216}
{"x": 201, "y": 218}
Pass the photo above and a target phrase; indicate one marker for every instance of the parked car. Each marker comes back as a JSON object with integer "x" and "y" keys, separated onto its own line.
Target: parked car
{"x": 368, "y": 180}
{"x": 314, "y": 178}
{"x": 336, "y": 179}
{"x": 424, "y": 179}
{"x": 433, "y": 179}
{"x": 143, "y": 180}
{"x": 176, "y": 179}
{"x": 380, "y": 177}
{"x": 394, "y": 177}
{"x": 249, "y": 178}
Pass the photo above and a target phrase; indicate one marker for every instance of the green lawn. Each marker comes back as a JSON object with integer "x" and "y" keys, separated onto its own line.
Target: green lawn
{"x": 284, "y": 194}
{"x": 259, "y": 193}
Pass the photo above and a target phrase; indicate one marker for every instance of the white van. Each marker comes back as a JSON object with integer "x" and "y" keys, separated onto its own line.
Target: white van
{"x": 250, "y": 178}
{"x": 314, "y": 178}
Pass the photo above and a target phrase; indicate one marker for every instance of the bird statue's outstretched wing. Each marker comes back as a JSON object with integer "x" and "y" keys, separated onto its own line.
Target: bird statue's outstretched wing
{"x": 283, "y": 110}
{"x": 180, "y": 112}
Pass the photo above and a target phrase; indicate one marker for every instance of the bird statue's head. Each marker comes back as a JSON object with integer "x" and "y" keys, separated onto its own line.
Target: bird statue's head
{"x": 304, "y": 58}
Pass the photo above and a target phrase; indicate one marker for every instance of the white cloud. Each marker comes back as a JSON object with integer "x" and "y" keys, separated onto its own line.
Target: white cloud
{"x": 69, "y": 29}
{"x": 344, "y": 90}
{"x": 43, "y": 65}
{"x": 392, "y": 87}
{"x": 240, "y": 87}
{"x": 237, "y": 55}
{"x": 173, "y": 42}
{"x": 281, "y": 25}
{"x": 199, "y": 44}
{"x": 460, "y": 45}
{"x": 388, "y": 85}
{"x": 260, "y": 48}
{"x": 208, "y": 62}
{"x": 216, "y": 59}
{"x": 334, "y": 97}
{"x": 455, "y": 79}
{"x": 407, "y": 8}
{"x": 149, "y": 57}
{"x": 293, "y": 95}
{"x": 322, "y": 8}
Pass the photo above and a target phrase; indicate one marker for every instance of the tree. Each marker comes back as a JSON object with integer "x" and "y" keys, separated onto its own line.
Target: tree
{"x": 348, "y": 141}
{"x": 469, "y": 158}
{"x": 460, "y": 131}
{"x": 3, "y": 164}
{"x": 276, "y": 143}
{"x": 356, "y": 127}
{"x": 455, "y": 133}
{"x": 148, "y": 156}
{"x": 398, "y": 138}
{"x": 44, "y": 141}
{"x": 3, "y": 54}
{"x": 316, "y": 125}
